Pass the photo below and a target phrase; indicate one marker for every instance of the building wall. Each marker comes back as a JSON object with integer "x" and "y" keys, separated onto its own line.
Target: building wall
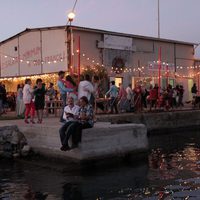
{"x": 43, "y": 51}
{"x": 34, "y": 52}
{"x": 96, "y": 47}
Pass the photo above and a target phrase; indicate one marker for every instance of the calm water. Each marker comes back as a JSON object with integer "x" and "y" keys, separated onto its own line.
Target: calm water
{"x": 171, "y": 171}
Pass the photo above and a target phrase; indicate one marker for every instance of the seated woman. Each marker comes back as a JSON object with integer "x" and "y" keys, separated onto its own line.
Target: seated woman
{"x": 74, "y": 128}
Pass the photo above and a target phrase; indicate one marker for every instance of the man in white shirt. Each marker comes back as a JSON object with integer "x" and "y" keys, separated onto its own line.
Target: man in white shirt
{"x": 85, "y": 88}
{"x": 129, "y": 92}
{"x": 71, "y": 112}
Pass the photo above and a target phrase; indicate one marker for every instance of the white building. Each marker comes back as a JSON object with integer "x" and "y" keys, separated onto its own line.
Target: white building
{"x": 128, "y": 58}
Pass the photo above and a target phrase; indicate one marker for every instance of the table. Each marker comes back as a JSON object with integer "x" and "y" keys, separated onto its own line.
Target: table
{"x": 103, "y": 104}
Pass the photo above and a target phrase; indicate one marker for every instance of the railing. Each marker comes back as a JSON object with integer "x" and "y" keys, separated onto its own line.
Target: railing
{"x": 53, "y": 107}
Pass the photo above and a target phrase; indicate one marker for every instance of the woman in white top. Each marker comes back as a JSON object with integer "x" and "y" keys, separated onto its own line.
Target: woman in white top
{"x": 20, "y": 107}
{"x": 28, "y": 101}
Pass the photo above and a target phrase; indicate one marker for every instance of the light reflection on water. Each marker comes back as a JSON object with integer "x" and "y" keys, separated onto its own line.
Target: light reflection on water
{"x": 172, "y": 171}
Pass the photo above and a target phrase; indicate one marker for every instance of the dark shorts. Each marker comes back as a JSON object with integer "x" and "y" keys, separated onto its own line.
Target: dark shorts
{"x": 39, "y": 106}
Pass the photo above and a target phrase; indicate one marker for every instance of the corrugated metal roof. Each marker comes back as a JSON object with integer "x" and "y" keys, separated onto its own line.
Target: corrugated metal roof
{"x": 97, "y": 31}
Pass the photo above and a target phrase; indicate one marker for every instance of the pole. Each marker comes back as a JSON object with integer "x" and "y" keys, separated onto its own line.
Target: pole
{"x": 79, "y": 58}
{"x": 198, "y": 85}
{"x": 139, "y": 68}
{"x": 159, "y": 69}
{"x": 167, "y": 74}
{"x": 158, "y": 18}
{"x": 71, "y": 50}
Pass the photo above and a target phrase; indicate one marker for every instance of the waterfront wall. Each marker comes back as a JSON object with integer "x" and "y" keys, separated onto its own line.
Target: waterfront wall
{"x": 160, "y": 123}
{"x": 103, "y": 141}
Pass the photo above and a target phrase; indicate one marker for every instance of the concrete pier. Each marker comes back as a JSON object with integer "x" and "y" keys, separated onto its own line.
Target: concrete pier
{"x": 102, "y": 141}
{"x": 159, "y": 122}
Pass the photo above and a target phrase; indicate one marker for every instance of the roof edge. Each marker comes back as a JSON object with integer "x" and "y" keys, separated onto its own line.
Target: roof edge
{"x": 97, "y": 31}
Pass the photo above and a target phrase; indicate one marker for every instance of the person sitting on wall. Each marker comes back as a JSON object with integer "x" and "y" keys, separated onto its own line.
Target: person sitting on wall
{"x": 74, "y": 128}
{"x": 71, "y": 112}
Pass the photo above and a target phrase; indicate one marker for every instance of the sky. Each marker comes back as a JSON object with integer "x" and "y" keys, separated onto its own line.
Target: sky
{"x": 179, "y": 19}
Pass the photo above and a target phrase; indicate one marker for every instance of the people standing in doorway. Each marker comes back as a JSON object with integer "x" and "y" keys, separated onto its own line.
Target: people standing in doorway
{"x": 63, "y": 91}
{"x": 113, "y": 92}
{"x": 194, "y": 90}
{"x": 39, "y": 93}
{"x": 28, "y": 101}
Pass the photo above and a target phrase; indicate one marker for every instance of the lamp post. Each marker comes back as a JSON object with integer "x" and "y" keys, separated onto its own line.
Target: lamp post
{"x": 71, "y": 17}
{"x": 158, "y": 18}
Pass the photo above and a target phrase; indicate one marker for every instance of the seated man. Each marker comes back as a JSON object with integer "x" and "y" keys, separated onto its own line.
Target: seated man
{"x": 71, "y": 112}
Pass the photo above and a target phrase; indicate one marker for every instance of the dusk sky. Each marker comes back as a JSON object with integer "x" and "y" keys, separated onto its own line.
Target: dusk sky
{"x": 179, "y": 19}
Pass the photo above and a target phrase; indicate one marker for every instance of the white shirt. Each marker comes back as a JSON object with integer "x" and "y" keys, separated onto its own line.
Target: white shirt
{"x": 85, "y": 88}
{"x": 74, "y": 110}
{"x": 129, "y": 92}
{"x": 27, "y": 94}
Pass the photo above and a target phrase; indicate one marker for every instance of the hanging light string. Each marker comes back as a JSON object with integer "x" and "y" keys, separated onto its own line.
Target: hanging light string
{"x": 128, "y": 69}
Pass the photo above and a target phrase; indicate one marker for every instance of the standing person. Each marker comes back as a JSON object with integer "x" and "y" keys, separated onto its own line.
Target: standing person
{"x": 1, "y": 98}
{"x": 71, "y": 112}
{"x": 5, "y": 100}
{"x": 28, "y": 101}
{"x": 122, "y": 97}
{"x": 85, "y": 88}
{"x": 51, "y": 96}
{"x": 63, "y": 92}
{"x": 20, "y": 107}
{"x": 113, "y": 92}
{"x": 39, "y": 92}
{"x": 70, "y": 83}
{"x": 129, "y": 92}
{"x": 180, "y": 96}
{"x": 194, "y": 90}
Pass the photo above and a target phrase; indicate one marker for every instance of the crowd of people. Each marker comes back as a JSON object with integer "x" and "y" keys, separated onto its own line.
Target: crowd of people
{"x": 79, "y": 102}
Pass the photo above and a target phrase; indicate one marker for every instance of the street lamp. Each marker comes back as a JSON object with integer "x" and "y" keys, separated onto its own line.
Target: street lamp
{"x": 158, "y": 18}
{"x": 71, "y": 17}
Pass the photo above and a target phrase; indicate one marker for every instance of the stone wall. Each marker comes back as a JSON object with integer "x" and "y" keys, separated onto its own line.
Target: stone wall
{"x": 12, "y": 142}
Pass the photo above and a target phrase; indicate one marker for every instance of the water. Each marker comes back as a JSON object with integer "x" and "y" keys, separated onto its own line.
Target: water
{"x": 171, "y": 171}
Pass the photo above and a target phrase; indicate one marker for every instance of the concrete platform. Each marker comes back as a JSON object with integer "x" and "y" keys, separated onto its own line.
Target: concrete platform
{"x": 102, "y": 141}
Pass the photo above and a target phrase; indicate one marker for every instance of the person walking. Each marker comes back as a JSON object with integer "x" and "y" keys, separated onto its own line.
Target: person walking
{"x": 63, "y": 91}
{"x": 113, "y": 92}
{"x": 28, "y": 101}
